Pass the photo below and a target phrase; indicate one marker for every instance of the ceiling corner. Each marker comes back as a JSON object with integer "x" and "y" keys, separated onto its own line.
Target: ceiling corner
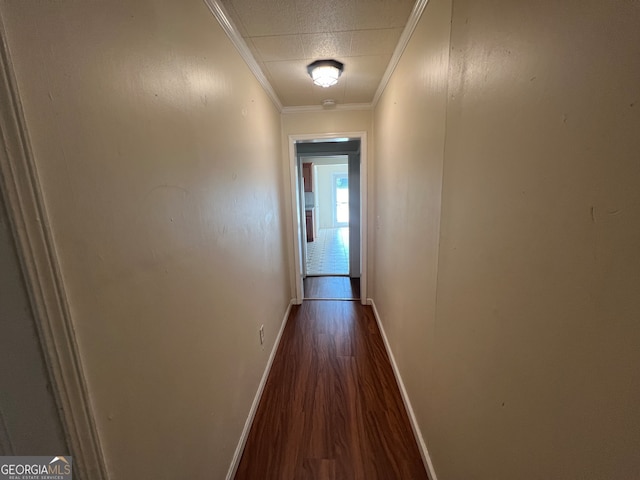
{"x": 236, "y": 38}
{"x": 416, "y": 13}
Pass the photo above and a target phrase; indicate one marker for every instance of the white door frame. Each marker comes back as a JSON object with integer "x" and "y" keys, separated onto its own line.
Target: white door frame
{"x": 32, "y": 233}
{"x": 295, "y": 210}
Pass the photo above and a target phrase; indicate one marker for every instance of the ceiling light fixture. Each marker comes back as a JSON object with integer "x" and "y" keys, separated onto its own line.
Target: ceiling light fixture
{"x": 325, "y": 72}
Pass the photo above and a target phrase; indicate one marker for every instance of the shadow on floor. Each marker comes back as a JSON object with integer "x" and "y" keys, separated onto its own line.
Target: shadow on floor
{"x": 331, "y": 288}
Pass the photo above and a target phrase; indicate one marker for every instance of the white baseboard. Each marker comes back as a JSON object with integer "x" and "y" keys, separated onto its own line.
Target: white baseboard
{"x": 256, "y": 401}
{"x": 422, "y": 446}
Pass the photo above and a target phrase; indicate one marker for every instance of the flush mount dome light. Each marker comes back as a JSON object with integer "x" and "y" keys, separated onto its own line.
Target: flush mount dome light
{"x": 325, "y": 72}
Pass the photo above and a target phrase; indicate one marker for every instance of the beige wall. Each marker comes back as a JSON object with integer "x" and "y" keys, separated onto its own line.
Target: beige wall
{"x": 325, "y": 121}
{"x": 504, "y": 205}
{"x": 528, "y": 369}
{"x": 160, "y": 160}
{"x": 409, "y": 126}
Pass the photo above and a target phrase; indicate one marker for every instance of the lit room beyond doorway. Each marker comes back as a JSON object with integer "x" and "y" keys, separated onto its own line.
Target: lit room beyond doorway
{"x": 328, "y": 203}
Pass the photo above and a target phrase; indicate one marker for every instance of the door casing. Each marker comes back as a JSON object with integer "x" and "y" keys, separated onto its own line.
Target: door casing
{"x": 297, "y": 230}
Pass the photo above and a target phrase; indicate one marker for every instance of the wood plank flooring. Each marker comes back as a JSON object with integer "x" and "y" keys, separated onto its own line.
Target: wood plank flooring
{"x": 331, "y": 408}
{"x": 332, "y": 287}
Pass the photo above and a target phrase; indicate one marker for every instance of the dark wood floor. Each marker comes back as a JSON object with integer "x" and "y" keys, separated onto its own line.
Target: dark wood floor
{"x": 331, "y": 408}
{"x": 332, "y": 288}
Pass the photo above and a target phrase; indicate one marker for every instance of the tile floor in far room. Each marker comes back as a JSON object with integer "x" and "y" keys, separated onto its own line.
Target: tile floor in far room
{"x": 329, "y": 253}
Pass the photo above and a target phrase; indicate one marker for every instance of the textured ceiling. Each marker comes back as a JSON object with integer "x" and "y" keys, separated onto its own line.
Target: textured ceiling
{"x": 284, "y": 36}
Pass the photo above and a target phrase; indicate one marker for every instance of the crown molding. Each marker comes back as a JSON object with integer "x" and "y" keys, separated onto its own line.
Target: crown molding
{"x": 30, "y": 227}
{"x": 320, "y": 108}
{"x": 234, "y": 35}
{"x": 414, "y": 17}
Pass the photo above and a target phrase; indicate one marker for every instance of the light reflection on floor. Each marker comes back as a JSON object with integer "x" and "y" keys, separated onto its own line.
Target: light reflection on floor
{"x": 329, "y": 253}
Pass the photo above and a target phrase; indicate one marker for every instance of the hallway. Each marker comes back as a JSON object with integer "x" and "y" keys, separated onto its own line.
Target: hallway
{"x": 331, "y": 288}
{"x": 331, "y": 407}
{"x": 149, "y": 171}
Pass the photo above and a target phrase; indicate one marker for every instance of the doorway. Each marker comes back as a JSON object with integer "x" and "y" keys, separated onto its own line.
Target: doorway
{"x": 346, "y": 211}
{"x": 325, "y": 180}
